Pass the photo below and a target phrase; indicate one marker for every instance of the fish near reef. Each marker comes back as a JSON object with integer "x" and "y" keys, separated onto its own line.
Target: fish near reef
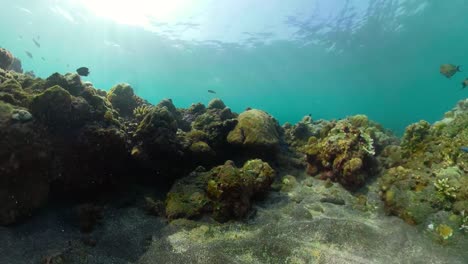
{"x": 29, "y": 54}
{"x": 83, "y": 71}
{"x": 448, "y": 70}
{"x": 211, "y": 91}
{"x": 465, "y": 83}
{"x": 464, "y": 149}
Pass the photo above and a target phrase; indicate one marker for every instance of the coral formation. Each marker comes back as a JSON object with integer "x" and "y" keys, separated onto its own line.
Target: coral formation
{"x": 123, "y": 99}
{"x": 141, "y": 111}
{"x": 431, "y": 176}
{"x": 224, "y": 191}
{"x": 70, "y": 82}
{"x": 61, "y": 137}
{"x": 255, "y": 129}
{"x": 346, "y": 153}
{"x": 6, "y": 59}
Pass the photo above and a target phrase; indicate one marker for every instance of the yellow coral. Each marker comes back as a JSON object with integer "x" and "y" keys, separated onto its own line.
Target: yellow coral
{"x": 141, "y": 111}
{"x": 444, "y": 231}
{"x": 443, "y": 187}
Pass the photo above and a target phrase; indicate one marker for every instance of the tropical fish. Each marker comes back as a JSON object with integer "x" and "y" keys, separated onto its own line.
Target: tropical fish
{"x": 448, "y": 70}
{"x": 83, "y": 71}
{"x": 36, "y": 43}
{"x": 465, "y": 83}
{"x": 211, "y": 91}
{"x": 29, "y": 54}
{"x": 464, "y": 149}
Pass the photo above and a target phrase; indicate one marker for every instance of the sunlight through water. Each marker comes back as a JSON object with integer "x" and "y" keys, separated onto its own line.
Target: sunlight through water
{"x": 140, "y": 12}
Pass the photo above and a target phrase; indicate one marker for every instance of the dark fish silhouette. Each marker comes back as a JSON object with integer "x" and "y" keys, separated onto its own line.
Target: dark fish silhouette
{"x": 465, "y": 83}
{"x": 36, "y": 43}
{"x": 29, "y": 54}
{"x": 21, "y": 37}
{"x": 211, "y": 91}
{"x": 448, "y": 70}
{"x": 83, "y": 71}
{"x": 43, "y": 58}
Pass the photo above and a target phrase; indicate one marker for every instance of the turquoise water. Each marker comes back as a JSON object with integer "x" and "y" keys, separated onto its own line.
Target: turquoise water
{"x": 327, "y": 58}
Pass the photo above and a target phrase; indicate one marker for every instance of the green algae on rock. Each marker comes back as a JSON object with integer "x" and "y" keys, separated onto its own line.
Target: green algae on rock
{"x": 123, "y": 99}
{"x": 224, "y": 191}
{"x": 432, "y": 176}
{"x": 70, "y": 82}
{"x": 255, "y": 129}
{"x": 53, "y": 106}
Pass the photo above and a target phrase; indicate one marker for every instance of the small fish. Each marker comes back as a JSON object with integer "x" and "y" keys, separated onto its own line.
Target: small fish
{"x": 211, "y": 91}
{"x": 29, "y": 54}
{"x": 465, "y": 83}
{"x": 36, "y": 43}
{"x": 83, "y": 71}
{"x": 68, "y": 65}
{"x": 21, "y": 37}
{"x": 448, "y": 70}
{"x": 464, "y": 149}
{"x": 43, "y": 58}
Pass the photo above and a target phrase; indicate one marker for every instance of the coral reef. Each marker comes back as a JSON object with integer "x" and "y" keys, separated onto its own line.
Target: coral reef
{"x": 346, "y": 153}
{"x": 57, "y": 136}
{"x": 224, "y": 191}
{"x": 156, "y": 141}
{"x": 63, "y": 138}
{"x": 431, "y": 177}
{"x": 24, "y": 156}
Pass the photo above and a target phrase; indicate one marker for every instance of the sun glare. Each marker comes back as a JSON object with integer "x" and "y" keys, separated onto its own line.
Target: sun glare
{"x": 139, "y": 12}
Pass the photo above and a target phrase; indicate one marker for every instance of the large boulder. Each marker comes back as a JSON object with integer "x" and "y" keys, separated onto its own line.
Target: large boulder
{"x": 70, "y": 82}
{"x": 123, "y": 99}
{"x": 255, "y": 129}
{"x": 6, "y": 59}
{"x": 53, "y": 107}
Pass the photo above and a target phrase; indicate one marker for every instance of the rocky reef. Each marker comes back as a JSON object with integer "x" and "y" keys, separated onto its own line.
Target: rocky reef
{"x": 344, "y": 151}
{"x": 63, "y": 139}
{"x": 427, "y": 181}
{"x": 224, "y": 191}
